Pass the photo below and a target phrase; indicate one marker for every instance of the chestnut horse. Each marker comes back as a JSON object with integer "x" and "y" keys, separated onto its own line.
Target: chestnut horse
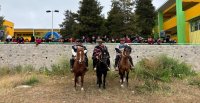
{"x": 125, "y": 65}
{"x": 79, "y": 67}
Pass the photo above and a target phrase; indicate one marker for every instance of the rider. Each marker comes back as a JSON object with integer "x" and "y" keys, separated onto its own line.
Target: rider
{"x": 74, "y": 53}
{"x": 119, "y": 48}
{"x": 97, "y": 50}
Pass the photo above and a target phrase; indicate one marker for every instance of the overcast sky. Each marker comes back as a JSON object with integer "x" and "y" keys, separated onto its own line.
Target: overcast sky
{"x": 32, "y": 13}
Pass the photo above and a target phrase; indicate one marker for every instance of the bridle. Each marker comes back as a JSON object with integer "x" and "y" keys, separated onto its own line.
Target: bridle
{"x": 80, "y": 55}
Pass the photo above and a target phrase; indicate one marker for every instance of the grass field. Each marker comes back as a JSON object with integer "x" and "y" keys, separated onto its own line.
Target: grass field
{"x": 155, "y": 80}
{"x": 59, "y": 89}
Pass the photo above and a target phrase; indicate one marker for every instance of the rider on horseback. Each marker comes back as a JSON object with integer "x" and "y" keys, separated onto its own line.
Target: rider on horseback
{"x": 74, "y": 53}
{"x": 119, "y": 50}
{"x": 97, "y": 50}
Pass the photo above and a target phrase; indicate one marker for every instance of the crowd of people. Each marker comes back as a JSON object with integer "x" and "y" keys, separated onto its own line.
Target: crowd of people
{"x": 134, "y": 39}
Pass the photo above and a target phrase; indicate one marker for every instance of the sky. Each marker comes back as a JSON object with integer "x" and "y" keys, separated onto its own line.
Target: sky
{"x": 32, "y": 13}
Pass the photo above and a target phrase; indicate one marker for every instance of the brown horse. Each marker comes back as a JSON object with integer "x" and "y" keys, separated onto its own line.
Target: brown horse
{"x": 124, "y": 65}
{"x": 79, "y": 67}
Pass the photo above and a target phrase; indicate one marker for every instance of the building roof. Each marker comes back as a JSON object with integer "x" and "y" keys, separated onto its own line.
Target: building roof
{"x": 166, "y": 5}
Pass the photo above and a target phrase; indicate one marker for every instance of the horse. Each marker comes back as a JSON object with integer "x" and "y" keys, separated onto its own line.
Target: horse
{"x": 124, "y": 65}
{"x": 79, "y": 67}
{"x": 102, "y": 67}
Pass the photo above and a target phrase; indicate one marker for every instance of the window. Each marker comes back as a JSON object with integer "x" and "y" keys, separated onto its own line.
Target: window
{"x": 199, "y": 24}
{"x": 192, "y": 27}
{"x": 195, "y": 25}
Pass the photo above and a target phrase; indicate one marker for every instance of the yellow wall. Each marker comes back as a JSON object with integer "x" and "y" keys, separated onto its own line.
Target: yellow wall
{"x": 187, "y": 31}
{"x": 195, "y": 37}
{"x": 27, "y": 33}
{"x": 170, "y": 23}
{"x": 192, "y": 12}
{"x": 9, "y": 27}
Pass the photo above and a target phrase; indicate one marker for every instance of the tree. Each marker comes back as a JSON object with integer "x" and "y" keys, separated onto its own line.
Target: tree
{"x": 68, "y": 26}
{"x": 145, "y": 17}
{"x": 120, "y": 18}
{"x": 1, "y": 22}
{"x": 115, "y": 19}
{"x": 2, "y": 28}
{"x": 89, "y": 19}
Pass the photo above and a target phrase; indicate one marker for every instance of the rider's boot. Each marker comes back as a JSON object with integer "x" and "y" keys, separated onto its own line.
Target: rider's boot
{"x": 71, "y": 64}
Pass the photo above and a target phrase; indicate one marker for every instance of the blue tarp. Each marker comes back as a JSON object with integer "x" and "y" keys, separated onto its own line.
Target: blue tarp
{"x": 55, "y": 35}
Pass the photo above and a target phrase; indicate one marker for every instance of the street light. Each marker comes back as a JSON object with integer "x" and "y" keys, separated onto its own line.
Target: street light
{"x": 48, "y": 11}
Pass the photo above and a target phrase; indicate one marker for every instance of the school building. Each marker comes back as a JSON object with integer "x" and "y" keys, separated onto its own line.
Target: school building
{"x": 8, "y": 27}
{"x": 26, "y": 33}
{"x": 180, "y": 19}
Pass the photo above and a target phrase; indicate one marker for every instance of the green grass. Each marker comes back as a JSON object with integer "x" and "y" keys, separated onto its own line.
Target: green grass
{"x": 160, "y": 69}
{"x": 61, "y": 69}
{"x": 16, "y": 70}
{"x": 31, "y": 81}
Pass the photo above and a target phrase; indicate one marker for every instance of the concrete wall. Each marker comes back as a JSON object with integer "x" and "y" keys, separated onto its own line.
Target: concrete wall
{"x": 46, "y": 55}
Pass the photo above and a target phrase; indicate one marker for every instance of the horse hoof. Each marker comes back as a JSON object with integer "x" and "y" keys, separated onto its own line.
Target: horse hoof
{"x": 124, "y": 79}
{"x": 122, "y": 85}
{"x": 100, "y": 90}
{"x": 82, "y": 89}
{"x": 120, "y": 80}
{"x": 78, "y": 84}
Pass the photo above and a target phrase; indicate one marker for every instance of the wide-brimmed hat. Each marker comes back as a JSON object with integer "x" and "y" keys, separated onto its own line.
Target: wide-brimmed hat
{"x": 99, "y": 40}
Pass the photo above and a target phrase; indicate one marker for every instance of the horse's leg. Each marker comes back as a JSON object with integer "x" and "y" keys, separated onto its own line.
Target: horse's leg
{"x": 100, "y": 79}
{"x": 127, "y": 73}
{"x": 97, "y": 78}
{"x": 75, "y": 80}
{"x": 104, "y": 80}
{"x": 82, "y": 80}
{"x": 121, "y": 77}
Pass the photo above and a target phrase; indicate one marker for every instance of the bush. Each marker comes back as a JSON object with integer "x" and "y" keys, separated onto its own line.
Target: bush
{"x": 62, "y": 68}
{"x": 16, "y": 70}
{"x": 161, "y": 69}
{"x": 31, "y": 81}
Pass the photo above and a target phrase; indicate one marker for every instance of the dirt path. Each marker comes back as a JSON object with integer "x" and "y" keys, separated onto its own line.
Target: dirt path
{"x": 60, "y": 90}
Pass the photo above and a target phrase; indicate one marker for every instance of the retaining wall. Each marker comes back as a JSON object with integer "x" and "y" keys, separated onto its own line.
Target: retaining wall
{"x": 46, "y": 55}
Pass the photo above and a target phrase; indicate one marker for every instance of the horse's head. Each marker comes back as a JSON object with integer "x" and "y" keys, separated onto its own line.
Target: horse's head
{"x": 103, "y": 56}
{"x": 126, "y": 51}
{"x": 80, "y": 55}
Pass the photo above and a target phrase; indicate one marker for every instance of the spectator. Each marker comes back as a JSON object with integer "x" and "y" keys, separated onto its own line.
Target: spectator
{"x": 38, "y": 41}
{"x": 20, "y": 40}
{"x": 150, "y": 40}
{"x": 32, "y": 39}
{"x": 93, "y": 39}
{"x": 159, "y": 41}
{"x": 112, "y": 40}
{"x": 8, "y": 38}
{"x": 84, "y": 39}
{"x": 127, "y": 40}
